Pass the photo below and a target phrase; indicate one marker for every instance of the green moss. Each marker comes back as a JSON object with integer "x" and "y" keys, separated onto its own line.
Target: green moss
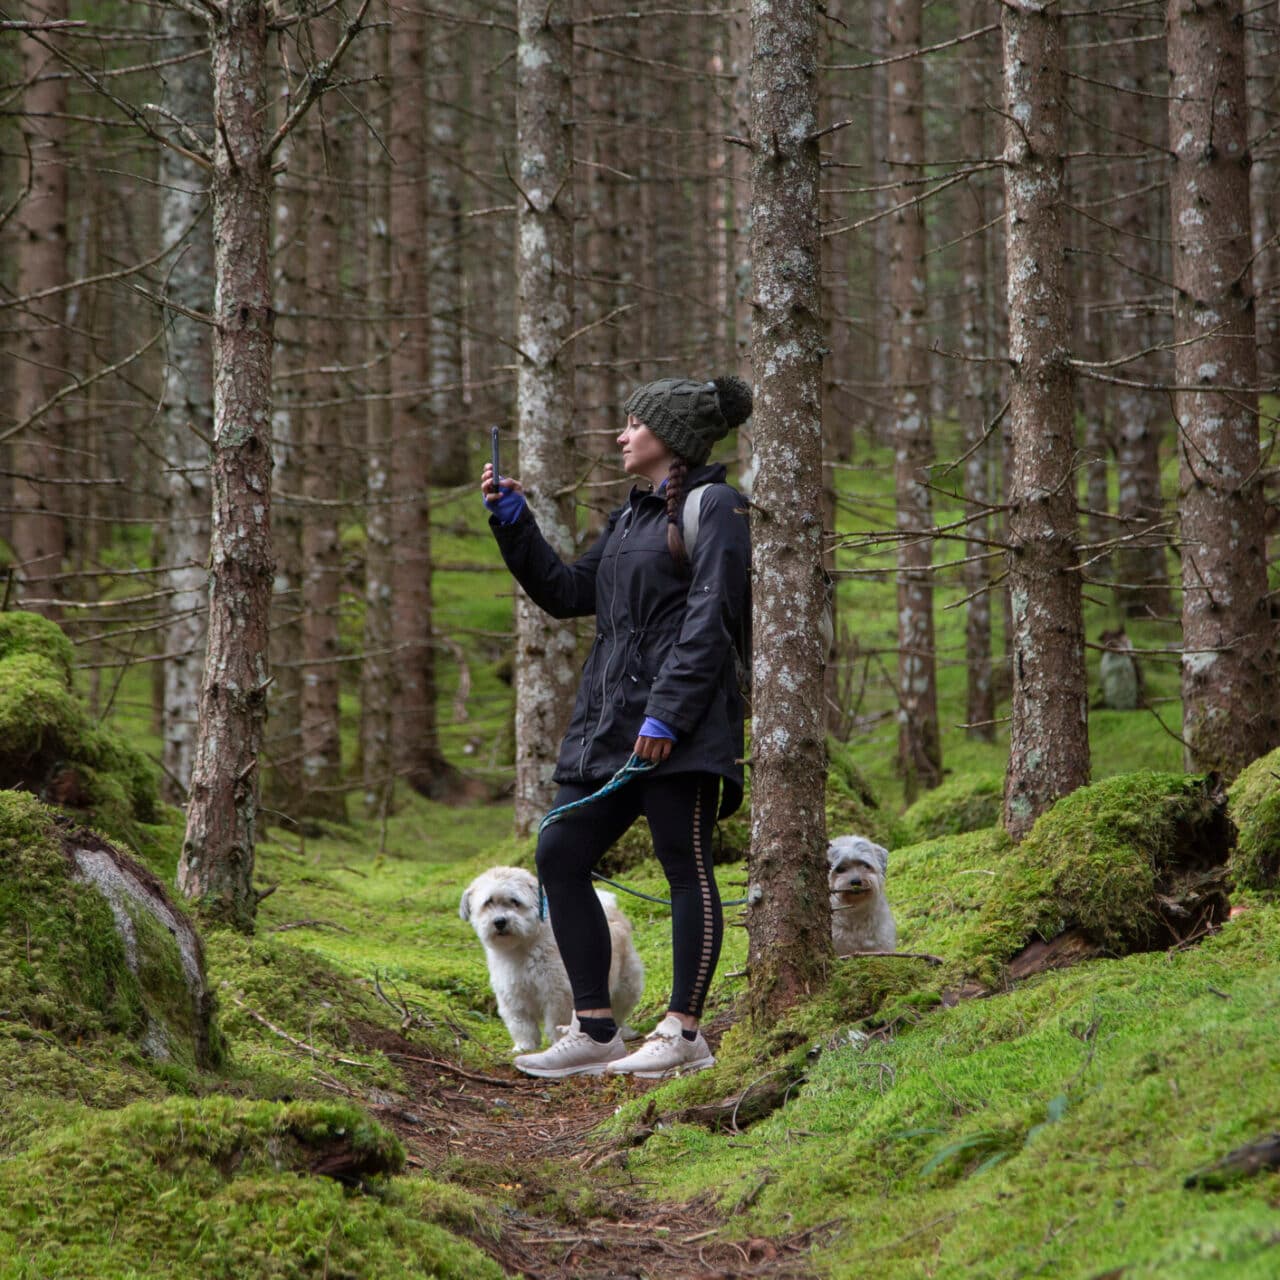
{"x": 852, "y": 807}
{"x": 51, "y": 746}
{"x": 39, "y": 716}
{"x": 64, "y": 966}
{"x": 1093, "y": 862}
{"x": 22, "y": 632}
{"x": 964, "y": 803}
{"x": 220, "y": 1189}
{"x": 1254, "y": 805}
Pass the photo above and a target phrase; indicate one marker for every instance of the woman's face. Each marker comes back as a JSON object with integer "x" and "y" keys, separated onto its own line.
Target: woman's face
{"x": 643, "y": 453}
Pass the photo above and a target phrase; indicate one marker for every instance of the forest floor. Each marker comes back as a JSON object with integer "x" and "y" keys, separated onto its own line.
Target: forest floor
{"x": 543, "y": 1131}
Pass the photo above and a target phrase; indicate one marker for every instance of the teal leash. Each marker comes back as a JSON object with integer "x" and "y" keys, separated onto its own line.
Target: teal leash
{"x": 633, "y": 768}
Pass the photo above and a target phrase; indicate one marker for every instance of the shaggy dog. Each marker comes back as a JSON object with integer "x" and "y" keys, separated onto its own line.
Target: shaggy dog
{"x": 860, "y": 916}
{"x": 525, "y": 969}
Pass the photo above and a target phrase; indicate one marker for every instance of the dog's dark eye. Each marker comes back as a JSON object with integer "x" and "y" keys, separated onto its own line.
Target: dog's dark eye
{"x": 488, "y": 902}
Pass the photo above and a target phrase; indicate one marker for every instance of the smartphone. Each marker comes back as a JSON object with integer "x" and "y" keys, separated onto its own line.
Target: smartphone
{"x": 493, "y": 440}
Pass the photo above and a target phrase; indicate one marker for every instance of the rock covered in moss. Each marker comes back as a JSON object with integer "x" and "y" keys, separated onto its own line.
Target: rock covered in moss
{"x": 90, "y": 942}
{"x": 223, "y": 1188}
{"x": 1126, "y": 863}
{"x": 967, "y": 803}
{"x": 52, "y": 747}
{"x": 1254, "y": 804}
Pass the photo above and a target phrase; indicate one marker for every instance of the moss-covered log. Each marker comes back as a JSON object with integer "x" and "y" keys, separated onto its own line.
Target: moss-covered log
{"x": 1134, "y": 863}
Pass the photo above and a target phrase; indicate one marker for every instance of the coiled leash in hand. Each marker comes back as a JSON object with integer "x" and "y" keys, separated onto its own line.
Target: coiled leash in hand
{"x": 633, "y": 768}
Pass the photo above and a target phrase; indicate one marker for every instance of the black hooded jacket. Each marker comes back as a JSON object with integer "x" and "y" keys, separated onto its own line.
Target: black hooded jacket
{"x": 664, "y": 643}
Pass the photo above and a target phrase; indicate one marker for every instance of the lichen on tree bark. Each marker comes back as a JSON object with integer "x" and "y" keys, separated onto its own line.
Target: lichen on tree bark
{"x": 788, "y": 916}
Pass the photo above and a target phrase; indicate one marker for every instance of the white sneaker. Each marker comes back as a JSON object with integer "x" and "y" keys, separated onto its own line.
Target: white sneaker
{"x": 665, "y": 1052}
{"x": 574, "y": 1054}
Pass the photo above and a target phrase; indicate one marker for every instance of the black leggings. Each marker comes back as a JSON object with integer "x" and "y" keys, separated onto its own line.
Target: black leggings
{"x": 681, "y": 811}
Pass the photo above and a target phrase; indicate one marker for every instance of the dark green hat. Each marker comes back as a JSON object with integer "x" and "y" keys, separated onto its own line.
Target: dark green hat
{"x": 689, "y": 417}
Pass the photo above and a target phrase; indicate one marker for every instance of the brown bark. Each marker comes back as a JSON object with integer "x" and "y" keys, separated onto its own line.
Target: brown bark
{"x": 216, "y": 866}
{"x": 1048, "y": 732}
{"x": 376, "y": 671}
{"x": 451, "y": 446}
{"x": 919, "y": 742}
{"x": 545, "y": 661}
{"x": 1228, "y": 683}
{"x": 39, "y": 531}
{"x": 321, "y": 548}
{"x": 978, "y": 404}
{"x": 1138, "y": 414}
{"x": 414, "y": 732}
{"x": 788, "y": 913}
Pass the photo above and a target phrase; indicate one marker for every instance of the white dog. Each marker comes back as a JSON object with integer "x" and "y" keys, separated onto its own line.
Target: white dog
{"x": 860, "y": 916}
{"x": 525, "y": 970}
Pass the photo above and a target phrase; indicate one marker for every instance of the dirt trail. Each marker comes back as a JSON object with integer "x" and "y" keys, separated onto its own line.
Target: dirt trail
{"x": 517, "y": 1132}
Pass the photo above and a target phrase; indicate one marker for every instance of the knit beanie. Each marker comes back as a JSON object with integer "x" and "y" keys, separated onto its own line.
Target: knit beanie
{"x": 689, "y": 417}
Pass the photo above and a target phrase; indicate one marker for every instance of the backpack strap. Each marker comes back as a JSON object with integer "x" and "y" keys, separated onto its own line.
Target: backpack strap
{"x": 691, "y": 517}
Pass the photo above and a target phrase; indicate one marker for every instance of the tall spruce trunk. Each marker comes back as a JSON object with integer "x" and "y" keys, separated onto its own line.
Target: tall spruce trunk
{"x": 545, "y": 664}
{"x": 978, "y": 403}
{"x": 1228, "y": 688}
{"x": 1141, "y": 571}
{"x": 282, "y": 744}
{"x": 216, "y": 867}
{"x": 1048, "y": 731}
{"x": 187, "y": 406}
{"x": 414, "y": 734}
{"x": 919, "y": 742}
{"x": 788, "y": 916}
{"x": 39, "y": 531}
{"x": 376, "y": 670}
{"x": 322, "y": 797}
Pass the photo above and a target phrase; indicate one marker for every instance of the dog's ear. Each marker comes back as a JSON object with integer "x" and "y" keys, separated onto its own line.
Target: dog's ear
{"x": 882, "y": 857}
{"x": 464, "y": 907}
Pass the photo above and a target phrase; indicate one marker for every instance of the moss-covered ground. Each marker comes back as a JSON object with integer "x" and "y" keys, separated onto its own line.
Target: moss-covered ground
{"x": 1046, "y": 1130}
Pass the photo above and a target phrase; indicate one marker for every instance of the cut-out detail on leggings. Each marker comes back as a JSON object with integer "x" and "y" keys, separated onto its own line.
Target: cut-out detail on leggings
{"x": 703, "y": 976}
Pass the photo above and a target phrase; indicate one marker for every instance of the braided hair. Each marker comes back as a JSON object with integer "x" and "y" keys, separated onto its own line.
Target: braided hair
{"x": 676, "y": 477}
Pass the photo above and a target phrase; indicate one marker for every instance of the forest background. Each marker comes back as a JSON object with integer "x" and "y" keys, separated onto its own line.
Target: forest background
{"x": 406, "y": 323}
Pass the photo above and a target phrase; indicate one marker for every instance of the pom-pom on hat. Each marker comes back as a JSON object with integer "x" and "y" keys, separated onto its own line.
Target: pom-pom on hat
{"x": 689, "y": 417}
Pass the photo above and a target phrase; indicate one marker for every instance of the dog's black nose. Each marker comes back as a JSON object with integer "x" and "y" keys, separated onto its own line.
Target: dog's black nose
{"x": 500, "y": 924}
{"x": 855, "y": 882}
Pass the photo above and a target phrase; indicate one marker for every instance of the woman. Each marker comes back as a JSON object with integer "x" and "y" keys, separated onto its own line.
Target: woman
{"x": 660, "y": 682}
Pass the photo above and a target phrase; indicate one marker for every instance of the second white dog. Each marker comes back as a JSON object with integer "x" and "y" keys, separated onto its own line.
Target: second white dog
{"x": 860, "y": 916}
{"x": 525, "y": 970}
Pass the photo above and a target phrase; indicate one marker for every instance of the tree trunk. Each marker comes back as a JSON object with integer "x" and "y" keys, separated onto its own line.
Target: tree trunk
{"x": 322, "y": 797}
{"x": 414, "y": 733}
{"x": 38, "y": 528}
{"x": 738, "y": 233}
{"x": 1048, "y": 732}
{"x": 187, "y": 407}
{"x": 544, "y": 663}
{"x": 788, "y": 916}
{"x": 1264, "y": 81}
{"x": 216, "y": 867}
{"x": 1139, "y": 414}
{"x": 1228, "y": 694}
{"x": 451, "y": 451}
{"x": 919, "y": 743}
{"x": 376, "y": 671}
{"x": 283, "y": 740}
{"x": 978, "y": 398}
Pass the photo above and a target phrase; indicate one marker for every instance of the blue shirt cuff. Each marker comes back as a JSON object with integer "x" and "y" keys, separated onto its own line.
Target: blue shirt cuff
{"x": 656, "y": 729}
